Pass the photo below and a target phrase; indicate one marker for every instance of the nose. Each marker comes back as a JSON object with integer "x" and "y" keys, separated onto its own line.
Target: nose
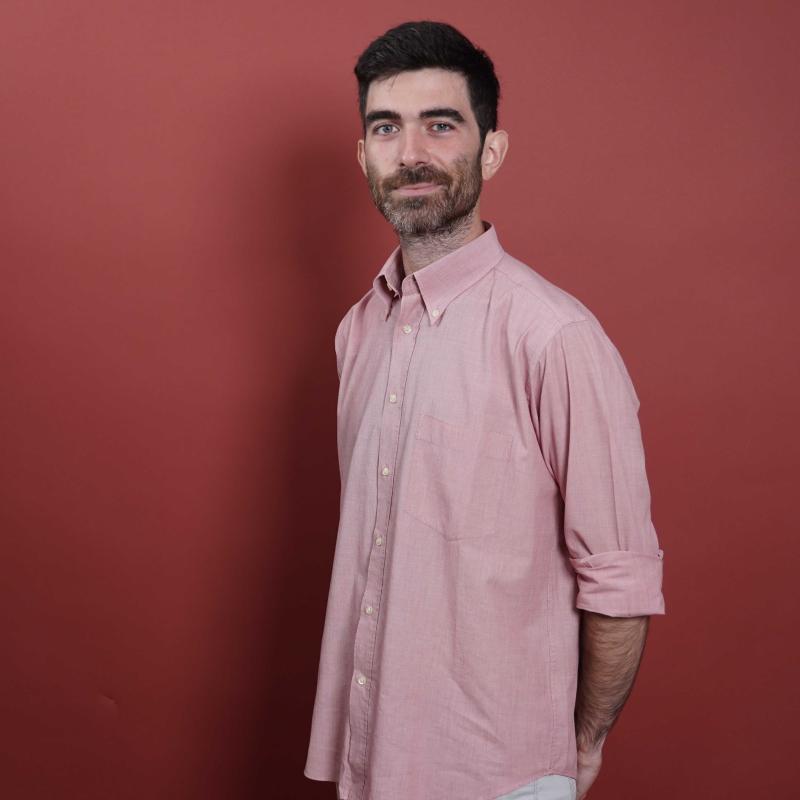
{"x": 413, "y": 148}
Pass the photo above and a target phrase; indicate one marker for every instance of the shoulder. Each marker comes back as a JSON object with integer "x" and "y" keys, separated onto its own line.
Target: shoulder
{"x": 549, "y": 322}
{"x": 355, "y": 312}
{"x": 536, "y": 309}
{"x": 538, "y": 299}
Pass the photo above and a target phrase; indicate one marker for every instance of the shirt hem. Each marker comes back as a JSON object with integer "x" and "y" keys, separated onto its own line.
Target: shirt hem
{"x": 313, "y": 775}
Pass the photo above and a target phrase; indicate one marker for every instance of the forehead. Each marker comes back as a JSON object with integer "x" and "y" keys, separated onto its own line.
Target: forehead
{"x": 411, "y": 91}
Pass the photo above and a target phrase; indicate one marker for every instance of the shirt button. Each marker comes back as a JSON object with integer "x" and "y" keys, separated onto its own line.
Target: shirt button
{"x": 392, "y": 398}
{"x": 435, "y": 312}
{"x": 385, "y": 471}
{"x": 406, "y": 329}
{"x": 369, "y": 609}
{"x": 379, "y": 541}
{"x": 361, "y": 680}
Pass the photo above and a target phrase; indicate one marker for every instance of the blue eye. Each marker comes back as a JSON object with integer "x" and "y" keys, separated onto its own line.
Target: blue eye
{"x": 447, "y": 126}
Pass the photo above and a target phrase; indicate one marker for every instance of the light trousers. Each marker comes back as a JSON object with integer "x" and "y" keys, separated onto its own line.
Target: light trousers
{"x": 548, "y": 787}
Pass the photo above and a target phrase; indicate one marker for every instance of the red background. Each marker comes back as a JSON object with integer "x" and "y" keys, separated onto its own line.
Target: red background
{"x": 182, "y": 225}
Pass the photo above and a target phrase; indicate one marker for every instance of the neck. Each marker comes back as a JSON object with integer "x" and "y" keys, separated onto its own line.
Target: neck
{"x": 420, "y": 250}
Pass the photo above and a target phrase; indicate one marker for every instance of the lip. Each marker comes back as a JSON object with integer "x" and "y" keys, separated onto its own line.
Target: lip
{"x": 417, "y": 188}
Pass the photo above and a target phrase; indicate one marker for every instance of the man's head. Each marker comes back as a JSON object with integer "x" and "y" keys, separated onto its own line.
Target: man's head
{"x": 428, "y": 102}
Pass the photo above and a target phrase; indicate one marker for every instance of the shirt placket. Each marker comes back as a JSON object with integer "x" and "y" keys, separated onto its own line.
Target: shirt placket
{"x": 406, "y": 325}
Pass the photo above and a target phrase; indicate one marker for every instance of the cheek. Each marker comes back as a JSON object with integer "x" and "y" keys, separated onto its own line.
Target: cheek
{"x": 454, "y": 158}
{"x": 379, "y": 162}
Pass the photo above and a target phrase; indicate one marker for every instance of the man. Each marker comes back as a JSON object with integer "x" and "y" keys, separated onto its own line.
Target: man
{"x": 496, "y": 564}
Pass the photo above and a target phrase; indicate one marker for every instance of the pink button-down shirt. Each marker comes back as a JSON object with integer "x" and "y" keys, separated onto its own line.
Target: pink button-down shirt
{"x": 492, "y": 484}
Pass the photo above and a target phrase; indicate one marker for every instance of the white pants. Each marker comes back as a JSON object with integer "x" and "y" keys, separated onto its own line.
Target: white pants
{"x": 549, "y": 787}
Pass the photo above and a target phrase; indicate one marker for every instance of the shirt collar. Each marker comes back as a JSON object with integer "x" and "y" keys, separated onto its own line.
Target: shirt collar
{"x": 445, "y": 278}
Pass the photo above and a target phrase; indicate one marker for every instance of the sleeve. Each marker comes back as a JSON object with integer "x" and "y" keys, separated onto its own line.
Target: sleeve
{"x": 585, "y": 410}
{"x": 340, "y": 339}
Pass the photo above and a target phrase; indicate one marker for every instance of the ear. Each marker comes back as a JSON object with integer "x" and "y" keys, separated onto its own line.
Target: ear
{"x": 495, "y": 148}
{"x": 361, "y": 157}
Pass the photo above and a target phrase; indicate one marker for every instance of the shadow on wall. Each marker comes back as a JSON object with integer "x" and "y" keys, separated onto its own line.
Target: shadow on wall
{"x": 302, "y": 234}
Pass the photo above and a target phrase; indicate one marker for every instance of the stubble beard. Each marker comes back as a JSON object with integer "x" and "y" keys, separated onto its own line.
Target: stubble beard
{"x": 439, "y": 212}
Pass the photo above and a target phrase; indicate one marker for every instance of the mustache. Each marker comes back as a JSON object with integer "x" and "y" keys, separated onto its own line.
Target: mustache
{"x": 418, "y": 176}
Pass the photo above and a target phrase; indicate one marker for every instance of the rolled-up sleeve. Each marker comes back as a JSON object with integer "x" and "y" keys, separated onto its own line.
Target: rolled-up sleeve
{"x": 585, "y": 412}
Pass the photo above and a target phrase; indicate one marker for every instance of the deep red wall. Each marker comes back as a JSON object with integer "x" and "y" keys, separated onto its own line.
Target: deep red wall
{"x": 182, "y": 225}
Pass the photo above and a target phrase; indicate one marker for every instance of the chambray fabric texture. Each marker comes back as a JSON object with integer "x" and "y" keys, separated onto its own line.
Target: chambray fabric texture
{"x": 493, "y": 484}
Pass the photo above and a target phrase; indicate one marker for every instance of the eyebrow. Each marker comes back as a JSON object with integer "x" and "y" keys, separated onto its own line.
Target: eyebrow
{"x": 450, "y": 113}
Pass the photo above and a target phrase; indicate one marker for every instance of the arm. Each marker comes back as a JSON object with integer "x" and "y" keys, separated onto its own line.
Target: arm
{"x": 585, "y": 410}
{"x": 610, "y": 653}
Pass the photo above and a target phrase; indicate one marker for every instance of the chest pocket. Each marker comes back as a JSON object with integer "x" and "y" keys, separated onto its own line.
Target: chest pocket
{"x": 457, "y": 477}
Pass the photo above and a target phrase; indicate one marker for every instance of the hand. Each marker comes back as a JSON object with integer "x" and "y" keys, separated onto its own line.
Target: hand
{"x": 589, "y": 762}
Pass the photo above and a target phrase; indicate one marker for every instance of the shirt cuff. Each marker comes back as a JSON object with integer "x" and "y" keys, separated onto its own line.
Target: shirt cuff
{"x": 620, "y": 583}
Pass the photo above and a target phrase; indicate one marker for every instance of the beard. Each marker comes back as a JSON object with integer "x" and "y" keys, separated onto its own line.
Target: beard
{"x": 440, "y": 211}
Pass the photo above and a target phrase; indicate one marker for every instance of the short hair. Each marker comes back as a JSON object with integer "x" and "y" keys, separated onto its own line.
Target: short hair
{"x": 417, "y": 45}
